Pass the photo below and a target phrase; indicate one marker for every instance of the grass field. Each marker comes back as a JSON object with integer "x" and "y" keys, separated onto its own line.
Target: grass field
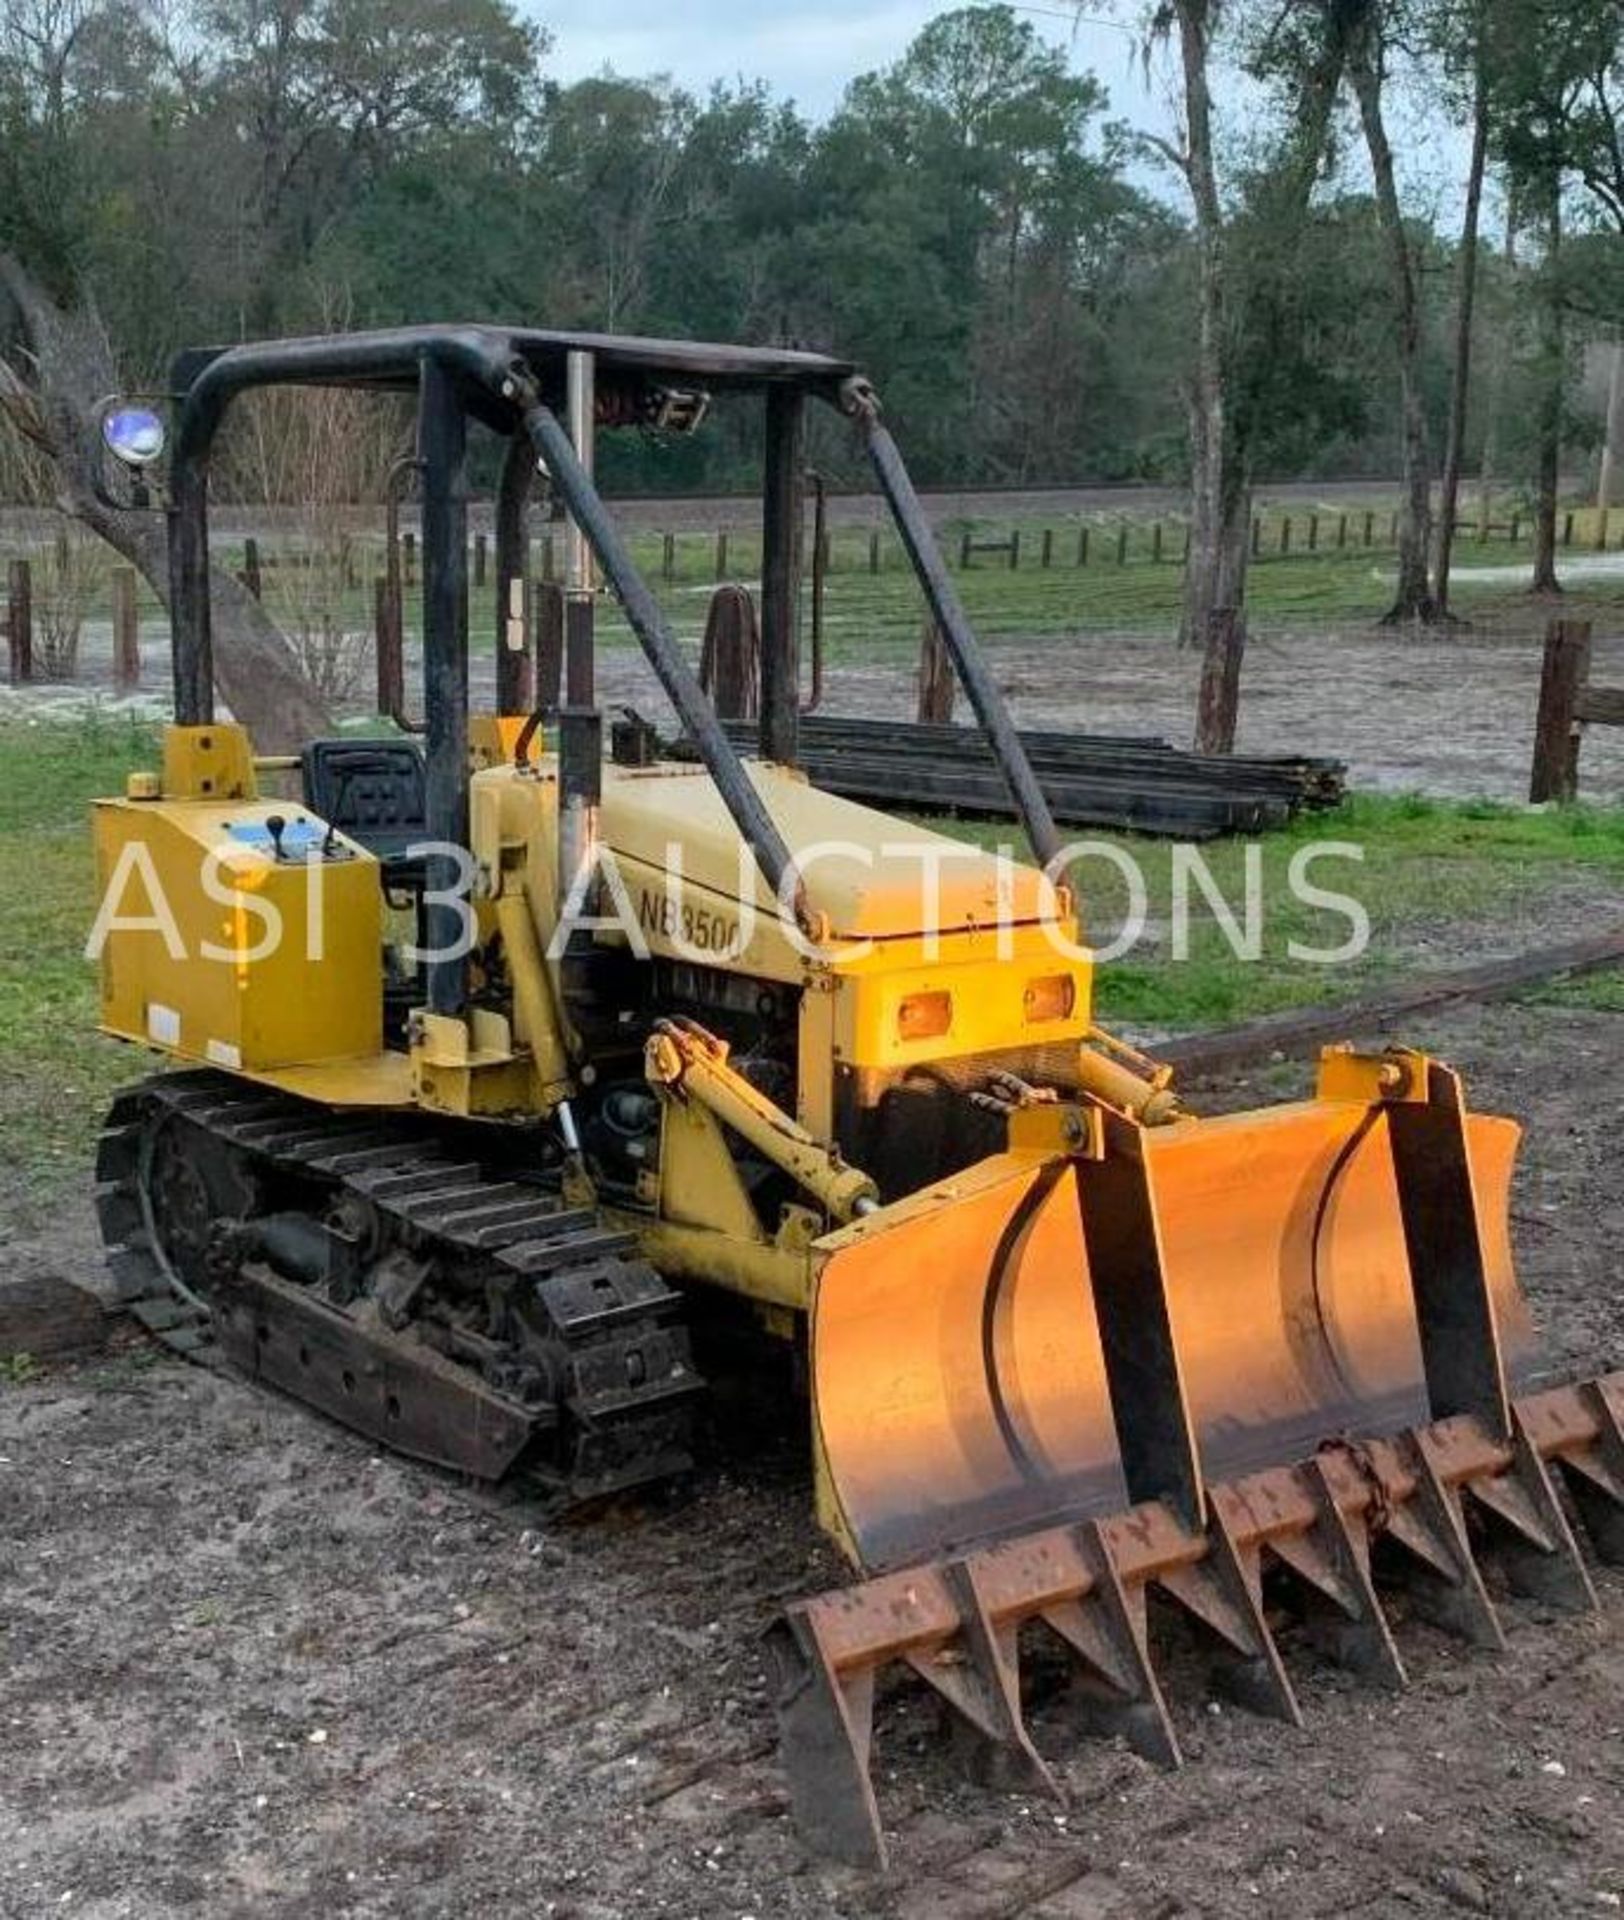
{"x": 1439, "y": 881}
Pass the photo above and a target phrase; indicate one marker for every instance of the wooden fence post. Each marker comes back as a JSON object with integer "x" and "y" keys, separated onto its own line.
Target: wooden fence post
{"x": 668, "y": 557}
{"x": 730, "y": 655}
{"x": 937, "y": 686}
{"x": 1342, "y": 532}
{"x": 1048, "y": 547}
{"x": 20, "y": 621}
{"x": 1556, "y": 733}
{"x": 1156, "y": 542}
{"x": 126, "y": 632}
{"x": 721, "y": 563}
{"x": 874, "y": 550}
{"x": 389, "y": 648}
{"x": 481, "y": 558}
{"x": 1122, "y": 544}
{"x": 1285, "y": 534}
{"x": 1313, "y": 533}
{"x": 1015, "y": 550}
{"x": 1370, "y": 525}
{"x": 1567, "y": 529}
{"x": 1257, "y": 535}
{"x": 964, "y": 549}
{"x": 1082, "y": 546}
{"x": 1516, "y": 528}
{"x": 1220, "y": 699}
{"x": 408, "y": 548}
{"x": 252, "y": 578}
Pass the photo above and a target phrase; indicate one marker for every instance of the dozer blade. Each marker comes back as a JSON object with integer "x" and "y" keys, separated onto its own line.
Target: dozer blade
{"x": 1175, "y": 1357}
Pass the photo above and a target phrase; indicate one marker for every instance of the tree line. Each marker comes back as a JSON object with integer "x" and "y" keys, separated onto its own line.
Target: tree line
{"x": 976, "y": 223}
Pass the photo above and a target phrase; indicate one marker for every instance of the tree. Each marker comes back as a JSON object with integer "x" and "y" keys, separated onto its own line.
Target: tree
{"x": 1464, "y": 35}
{"x": 61, "y": 364}
{"x": 1246, "y": 393}
{"x": 1364, "y": 26}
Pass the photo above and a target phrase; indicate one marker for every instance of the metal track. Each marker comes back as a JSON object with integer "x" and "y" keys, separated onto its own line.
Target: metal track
{"x": 624, "y": 1385}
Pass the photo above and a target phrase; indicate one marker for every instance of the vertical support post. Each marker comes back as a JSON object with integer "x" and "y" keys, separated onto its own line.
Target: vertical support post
{"x": 1313, "y": 533}
{"x": 1116, "y": 1198}
{"x": 1082, "y": 545}
{"x": 1156, "y": 542}
{"x": 408, "y": 544}
{"x": 443, "y": 439}
{"x": 514, "y": 678}
{"x": 481, "y": 561}
{"x": 20, "y": 621}
{"x": 782, "y": 513}
{"x": 721, "y": 555}
{"x": 1015, "y": 550}
{"x": 1460, "y": 1342}
{"x": 1122, "y": 544}
{"x": 579, "y": 568}
{"x": 126, "y": 632}
{"x": 1556, "y": 732}
{"x": 1342, "y": 532}
{"x": 1048, "y": 549}
{"x": 874, "y": 550}
{"x": 1257, "y": 535}
{"x": 985, "y": 697}
{"x": 1370, "y": 526}
{"x": 668, "y": 557}
{"x": 252, "y": 576}
{"x": 549, "y": 605}
{"x": 1220, "y": 699}
{"x": 189, "y": 610}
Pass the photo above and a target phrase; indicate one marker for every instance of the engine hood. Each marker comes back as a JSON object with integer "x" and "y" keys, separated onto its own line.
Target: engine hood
{"x": 870, "y": 876}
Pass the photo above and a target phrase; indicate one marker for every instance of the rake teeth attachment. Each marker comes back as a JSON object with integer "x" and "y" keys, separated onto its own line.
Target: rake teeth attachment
{"x": 1268, "y": 1351}
{"x": 958, "y": 1625}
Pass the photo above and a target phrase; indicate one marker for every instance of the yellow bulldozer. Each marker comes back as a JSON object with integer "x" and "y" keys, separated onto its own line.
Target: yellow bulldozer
{"x": 507, "y": 1050}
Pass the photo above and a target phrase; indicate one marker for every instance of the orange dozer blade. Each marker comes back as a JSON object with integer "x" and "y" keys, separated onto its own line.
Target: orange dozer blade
{"x": 1120, "y": 1358}
{"x": 959, "y": 1382}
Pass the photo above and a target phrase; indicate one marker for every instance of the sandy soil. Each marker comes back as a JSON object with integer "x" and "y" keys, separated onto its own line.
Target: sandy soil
{"x": 251, "y": 1667}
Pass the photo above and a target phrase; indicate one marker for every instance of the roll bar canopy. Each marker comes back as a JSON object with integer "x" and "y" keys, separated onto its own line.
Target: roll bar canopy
{"x": 514, "y": 381}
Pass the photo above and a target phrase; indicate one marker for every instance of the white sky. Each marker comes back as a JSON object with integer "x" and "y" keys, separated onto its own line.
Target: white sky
{"x": 806, "y": 52}
{"x": 809, "y": 50}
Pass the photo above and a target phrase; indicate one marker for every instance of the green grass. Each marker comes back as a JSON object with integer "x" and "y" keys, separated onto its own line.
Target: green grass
{"x": 56, "y": 1075}
{"x": 1436, "y": 878}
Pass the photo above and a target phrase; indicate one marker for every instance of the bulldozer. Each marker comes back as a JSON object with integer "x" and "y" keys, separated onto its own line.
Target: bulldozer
{"x": 509, "y": 1053}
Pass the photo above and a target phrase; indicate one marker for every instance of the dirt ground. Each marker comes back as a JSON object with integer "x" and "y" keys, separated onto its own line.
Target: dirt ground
{"x": 1449, "y": 716}
{"x": 1452, "y": 716}
{"x": 251, "y": 1667}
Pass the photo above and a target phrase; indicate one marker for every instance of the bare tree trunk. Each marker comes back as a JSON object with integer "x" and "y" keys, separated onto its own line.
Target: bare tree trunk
{"x": 70, "y": 368}
{"x": 1612, "y": 442}
{"x": 1553, "y": 388}
{"x": 1413, "y": 600}
{"x": 1465, "y": 305}
{"x": 1203, "y": 571}
{"x": 1496, "y": 386}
